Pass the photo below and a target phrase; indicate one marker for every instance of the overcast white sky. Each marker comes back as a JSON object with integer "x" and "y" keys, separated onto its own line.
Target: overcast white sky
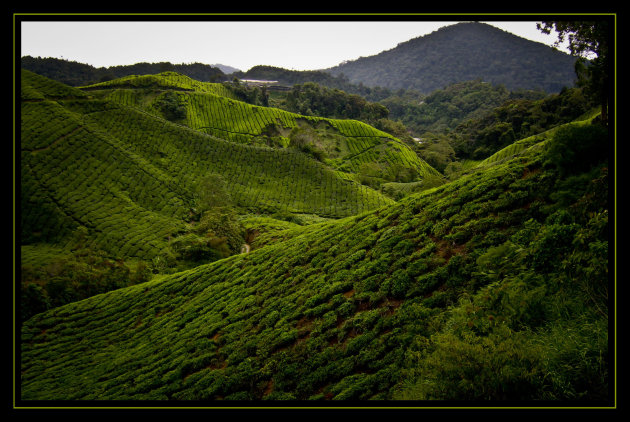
{"x": 299, "y": 45}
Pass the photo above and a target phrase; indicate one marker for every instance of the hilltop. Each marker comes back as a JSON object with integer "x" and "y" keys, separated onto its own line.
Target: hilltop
{"x": 462, "y": 52}
{"x": 91, "y": 132}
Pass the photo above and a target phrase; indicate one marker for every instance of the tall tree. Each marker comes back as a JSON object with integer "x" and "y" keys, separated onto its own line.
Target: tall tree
{"x": 589, "y": 41}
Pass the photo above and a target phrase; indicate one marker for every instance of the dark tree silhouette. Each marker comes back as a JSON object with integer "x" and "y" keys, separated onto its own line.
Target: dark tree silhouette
{"x": 589, "y": 41}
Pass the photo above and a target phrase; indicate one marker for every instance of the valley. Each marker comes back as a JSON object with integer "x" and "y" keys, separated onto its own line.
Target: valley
{"x": 198, "y": 243}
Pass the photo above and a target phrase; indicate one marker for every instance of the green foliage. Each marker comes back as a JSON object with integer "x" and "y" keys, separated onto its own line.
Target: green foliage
{"x": 200, "y": 249}
{"x": 436, "y": 150}
{"x": 212, "y": 191}
{"x": 588, "y": 38}
{"x": 509, "y": 339}
{"x": 222, "y": 222}
{"x": 446, "y": 107}
{"x": 171, "y": 106}
{"x": 74, "y": 276}
{"x": 258, "y": 96}
{"x": 516, "y": 119}
{"x": 458, "y": 292}
{"x": 575, "y": 149}
{"x": 312, "y": 99}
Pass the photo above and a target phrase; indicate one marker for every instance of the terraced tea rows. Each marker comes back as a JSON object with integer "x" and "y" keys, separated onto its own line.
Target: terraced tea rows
{"x": 164, "y": 80}
{"x": 241, "y": 122}
{"x": 129, "y": 177}
{"x": 491, "y": 287}
{"x": 348, "y": 310}
{"x": 212, "y": 109}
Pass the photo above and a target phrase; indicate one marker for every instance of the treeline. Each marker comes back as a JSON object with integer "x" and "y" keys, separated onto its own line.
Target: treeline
{"x": 517, "y": 118}
{"x": 312, "y": 99}
{"x": 444, "y": 109}
{"x": 80, "y": 74}
{"x": 295, "y": 77}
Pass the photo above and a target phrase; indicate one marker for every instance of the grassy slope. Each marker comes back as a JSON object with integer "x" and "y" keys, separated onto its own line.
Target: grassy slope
{"x": 455, "y": 291}
{"x": 212, "y": 109}
{"x": 128, "y": 177}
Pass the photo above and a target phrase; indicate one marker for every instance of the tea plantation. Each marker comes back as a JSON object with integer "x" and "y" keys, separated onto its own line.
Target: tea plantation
{"x": 465, "y": 292}
{"x": 211, "y": 108}
{"x": 129, "y": 177}
{"x": 491, "y": 288}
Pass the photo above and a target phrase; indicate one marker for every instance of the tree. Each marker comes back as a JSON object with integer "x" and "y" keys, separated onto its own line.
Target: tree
{"x": 212, "y": 193}
{"x": 171, "y": 106}
{"x": 588, "y": 40}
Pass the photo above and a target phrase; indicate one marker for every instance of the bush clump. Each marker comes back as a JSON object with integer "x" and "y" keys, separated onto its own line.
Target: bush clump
{"x": 574, "y": 149}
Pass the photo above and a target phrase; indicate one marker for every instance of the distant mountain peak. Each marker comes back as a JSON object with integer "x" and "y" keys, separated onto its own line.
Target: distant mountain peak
{"x": 461, "y": 52}
{"x": 225, "y": 68}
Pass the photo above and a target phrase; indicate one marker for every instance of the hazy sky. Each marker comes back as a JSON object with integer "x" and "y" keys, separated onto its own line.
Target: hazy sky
{"x": 299, "y": 45}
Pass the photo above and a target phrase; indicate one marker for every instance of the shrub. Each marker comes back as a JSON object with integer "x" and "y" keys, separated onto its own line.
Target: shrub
{"x": 171, "y": 106}
{"x": 576, "y": 148}
{"x": 34, "y": 300}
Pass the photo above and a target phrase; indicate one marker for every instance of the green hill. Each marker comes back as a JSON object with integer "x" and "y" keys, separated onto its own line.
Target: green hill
{"x": 212, "y": 108}
{"x": 490, "y": 288}
{"x": 129, "y": 178}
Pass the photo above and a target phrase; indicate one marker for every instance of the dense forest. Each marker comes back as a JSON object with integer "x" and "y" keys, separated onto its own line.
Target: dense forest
{"x": 79, "y": 74}
{"x": 461, "y": 52}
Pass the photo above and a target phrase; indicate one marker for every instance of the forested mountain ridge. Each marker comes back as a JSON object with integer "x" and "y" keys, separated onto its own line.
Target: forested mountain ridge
{"x": 78, "y": 74}
{"x": 462, "y": 52}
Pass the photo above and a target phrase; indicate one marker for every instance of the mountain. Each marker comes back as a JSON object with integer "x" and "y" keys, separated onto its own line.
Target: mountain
{"x": 225, "y": 68}
{"x": 463, "y": 52}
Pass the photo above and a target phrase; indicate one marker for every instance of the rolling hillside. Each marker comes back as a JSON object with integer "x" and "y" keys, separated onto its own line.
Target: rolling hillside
{"x": 463, "y": 292}
{"x": 212, "y": 108}
{"x": 463, "y": 52}
{"x": 129, "y": 177}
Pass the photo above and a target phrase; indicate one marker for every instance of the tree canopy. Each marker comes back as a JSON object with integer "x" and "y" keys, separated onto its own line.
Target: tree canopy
{"x": 589, "y": 41}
